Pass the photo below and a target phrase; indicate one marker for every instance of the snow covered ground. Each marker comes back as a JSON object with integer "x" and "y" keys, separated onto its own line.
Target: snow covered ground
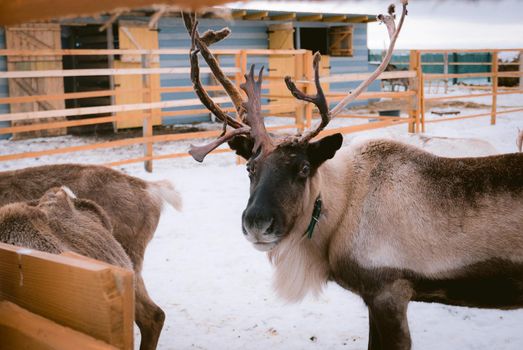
{"x": 216, "y": 289}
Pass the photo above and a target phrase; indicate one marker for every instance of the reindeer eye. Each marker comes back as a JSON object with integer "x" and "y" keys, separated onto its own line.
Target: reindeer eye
{"x": 305, "y": 170}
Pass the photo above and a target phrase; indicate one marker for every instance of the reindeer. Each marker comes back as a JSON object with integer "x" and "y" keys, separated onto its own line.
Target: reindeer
{"x": 59, "y": 222}
{"x": 132, "y": 204}
{"x": 384, "y": 220}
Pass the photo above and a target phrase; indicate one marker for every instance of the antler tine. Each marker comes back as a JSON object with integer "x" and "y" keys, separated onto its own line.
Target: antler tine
{"x": 199, "y": 152}
{"x": 319, "y": 99}
{"x": 393, "y": 34}
{"x": 262, "y": 140}
{"x": 210, "y": 37}
{"x": 200, "y": 91}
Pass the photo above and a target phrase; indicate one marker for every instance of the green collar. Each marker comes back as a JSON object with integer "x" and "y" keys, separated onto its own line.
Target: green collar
{"x": 315, "y": 217}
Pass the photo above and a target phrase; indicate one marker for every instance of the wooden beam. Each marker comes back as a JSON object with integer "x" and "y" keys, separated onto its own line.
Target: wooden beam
{"x": 106, "y": 109}
{"x": 340, "y": 18}
{"x": 284, "y": 17}
{"x": 14, "y": 12}
{"x": 357, "y": 19}
{"x": 256, "y": 16}
{"x": 86, "y": 295}
{"x": 100, "y": 72}
{"x": 110, "y": 21}
{"x": 21, "y": 329}
{"x": 153, "y": 22}
{"x": 311, "y": 18}
{"x": 238, "y": 14}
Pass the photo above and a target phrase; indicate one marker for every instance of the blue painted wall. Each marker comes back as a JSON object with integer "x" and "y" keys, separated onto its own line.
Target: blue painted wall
{"x": 245, "y": 35}
{"x": 4, "y": 90}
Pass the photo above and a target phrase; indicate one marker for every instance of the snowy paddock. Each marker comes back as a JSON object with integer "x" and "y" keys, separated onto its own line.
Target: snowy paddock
{"x": 216, "y": 289}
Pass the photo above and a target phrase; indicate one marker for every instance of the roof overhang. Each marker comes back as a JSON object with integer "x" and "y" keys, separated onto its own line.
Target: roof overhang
{"x": 21, "y": 11}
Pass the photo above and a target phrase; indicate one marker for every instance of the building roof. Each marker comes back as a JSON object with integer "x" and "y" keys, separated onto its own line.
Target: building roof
{"x": 16, "y": 12}
{"x": 304, "y": 16}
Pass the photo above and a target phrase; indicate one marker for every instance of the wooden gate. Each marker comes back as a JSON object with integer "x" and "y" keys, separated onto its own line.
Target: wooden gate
{"x": 36, "y": 36}
{"x": 281, "y": 37}
{"x": 135, "y": 36}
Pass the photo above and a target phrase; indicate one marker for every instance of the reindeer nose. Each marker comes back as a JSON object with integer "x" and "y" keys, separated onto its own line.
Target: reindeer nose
{"x": 258, "y": 222}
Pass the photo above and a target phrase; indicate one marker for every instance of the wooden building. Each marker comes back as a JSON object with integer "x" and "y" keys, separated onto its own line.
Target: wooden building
{"x": 341, "y": 38}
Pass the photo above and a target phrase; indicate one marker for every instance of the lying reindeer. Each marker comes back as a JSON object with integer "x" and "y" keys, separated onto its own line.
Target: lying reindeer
{"x": 385, "y": 220}
{"x": 133, "y": 206}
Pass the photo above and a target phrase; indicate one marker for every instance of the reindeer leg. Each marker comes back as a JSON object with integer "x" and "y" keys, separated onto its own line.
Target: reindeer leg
{"x": 149, "y": 317}
{"x": 389, "y": 327}
{"x": 374, "y": 336}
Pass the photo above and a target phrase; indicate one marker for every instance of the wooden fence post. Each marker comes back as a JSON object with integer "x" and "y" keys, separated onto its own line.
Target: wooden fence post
{"x": 309, "y": 88}
{"x": 148, "y": 117}
{"x": 300, "y": 106}
{"x": 415, "y": 64}
{"x": 494, "y": 81}
{"x": 240, "y": 62}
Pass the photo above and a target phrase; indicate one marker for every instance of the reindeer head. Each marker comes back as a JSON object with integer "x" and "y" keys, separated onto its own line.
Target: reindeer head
{"x": 282, "y": 171}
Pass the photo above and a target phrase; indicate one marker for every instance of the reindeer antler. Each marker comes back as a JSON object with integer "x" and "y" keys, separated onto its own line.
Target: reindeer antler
{"x": 319, "y": 99}
{"x": 250, "y": 121}
{"x": 251, "y": 124}
{"x": 262, "y": 140}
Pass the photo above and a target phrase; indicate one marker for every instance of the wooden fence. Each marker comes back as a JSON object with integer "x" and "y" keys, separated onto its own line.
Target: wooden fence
{"x": 493, "y": 76}
{"x": 63, "y": 301}
{"x": 146, "y": 112}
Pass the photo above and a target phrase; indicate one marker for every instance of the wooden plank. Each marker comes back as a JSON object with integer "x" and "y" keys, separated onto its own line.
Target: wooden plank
{"x": 357, "y": 19}
{"x": 21, "y": 329}
{"x": 284, "y": 17}
{"x": 494, "y": 81}
{"x": 238, "y": 14}
{"x": 472, "y": 75}
{"x": 362, "y": 127}
{"x": 281, "y": 38}
{"x": 311, "y": 18}
{"x": 414, "y": 108}
{"x": 104, "y": 52}
{"x": 513, "y": 110}
{"x": 86, "y": 295}
{"x": 37, "y": 36}
{"x": 338, "y": 18}
{"x": 106, "y": 109}
{"x": 100, "y": 72}
{"x": 256, "y": 16}
{"x": 12, "y": 12}
{"x": 362, "y": 76}
{"x": 124, "y": 142}
{"x": 111, "y": 20}
{"x": 135, "y": 36}
{"x": 101, "y": 93}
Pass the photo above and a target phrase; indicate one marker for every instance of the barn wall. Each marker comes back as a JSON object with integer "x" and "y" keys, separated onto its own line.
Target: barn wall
{"x": 4, "y": 89}
{"x": 245, "y": 35}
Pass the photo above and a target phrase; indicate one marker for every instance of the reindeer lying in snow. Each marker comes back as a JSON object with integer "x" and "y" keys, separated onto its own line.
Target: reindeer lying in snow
{"x": 385, "y": 220}
{"x": 132, "y": 205}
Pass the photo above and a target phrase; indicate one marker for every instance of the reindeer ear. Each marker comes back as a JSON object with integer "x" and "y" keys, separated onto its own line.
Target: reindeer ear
{"x": 324, "y": 149}
{"x": 242, "y": 146}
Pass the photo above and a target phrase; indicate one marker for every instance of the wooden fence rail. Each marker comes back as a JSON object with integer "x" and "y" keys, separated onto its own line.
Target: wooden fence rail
{"x": 63, "y": 301}
{"x": 274, "y": 89}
